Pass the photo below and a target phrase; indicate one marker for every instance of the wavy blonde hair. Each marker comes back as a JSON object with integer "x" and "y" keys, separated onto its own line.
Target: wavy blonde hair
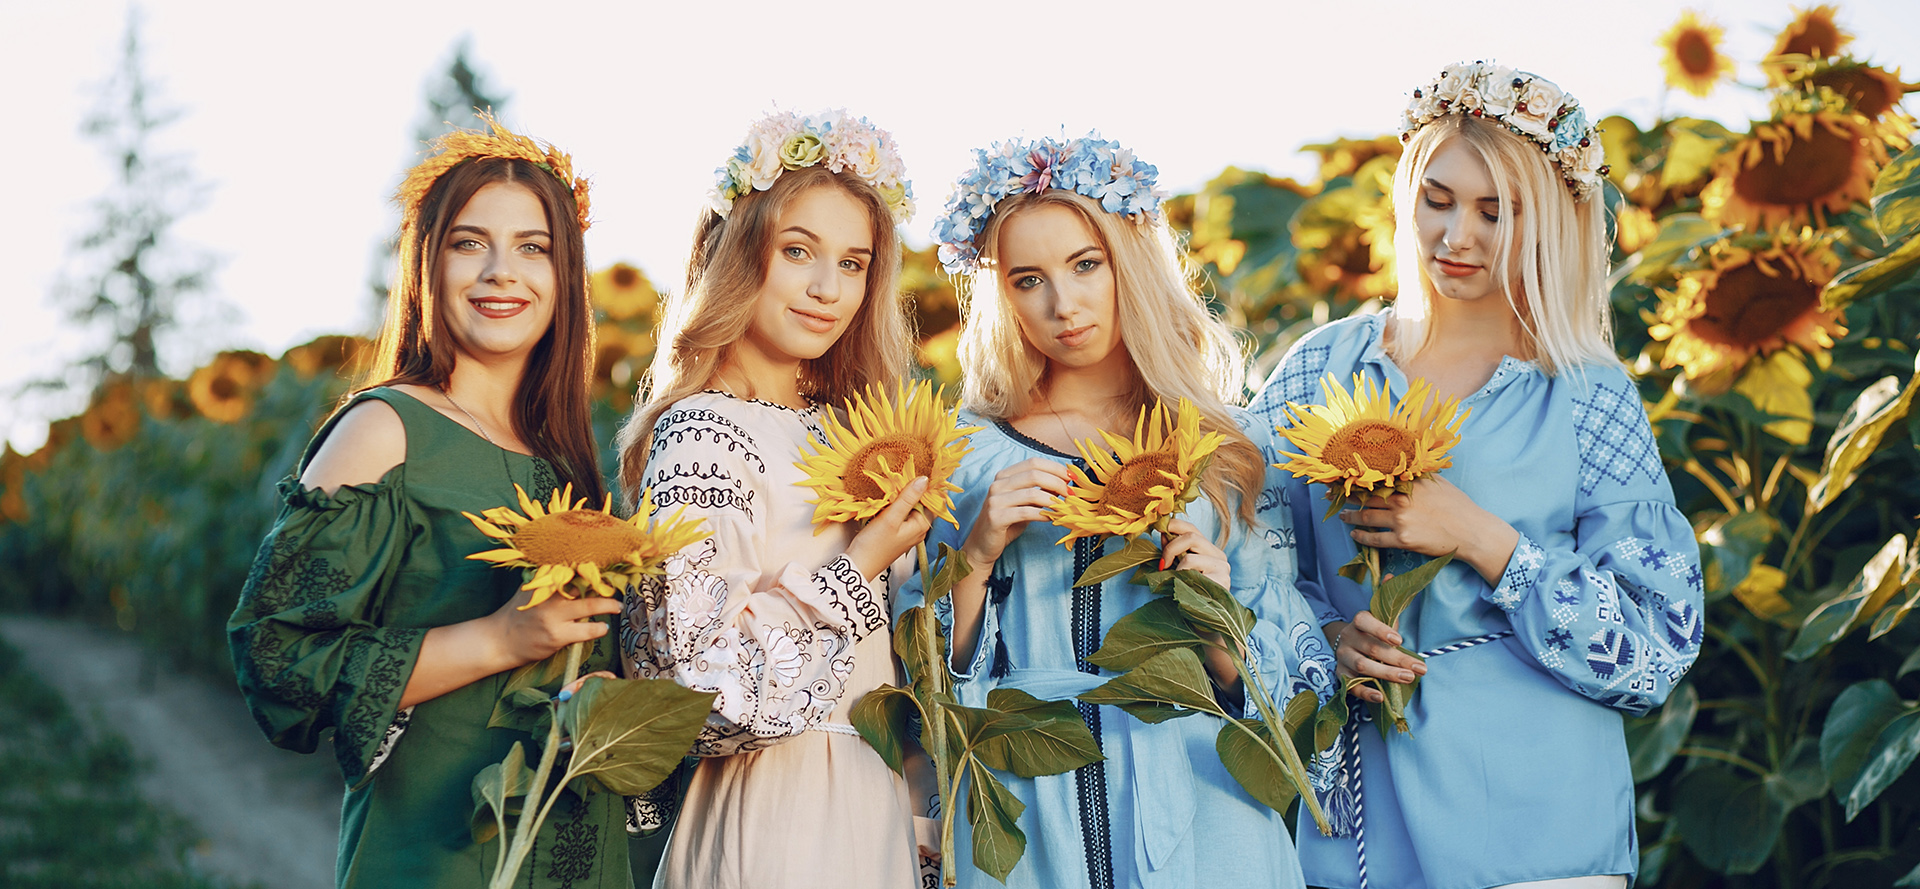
{"x": 729, "y": 264}
{"x": 1560, "y": 302}
{"x": 1179, "y": 349}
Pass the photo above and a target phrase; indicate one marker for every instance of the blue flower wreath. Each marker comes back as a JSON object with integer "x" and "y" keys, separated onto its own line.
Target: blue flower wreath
{"x": 1095, "y": 167}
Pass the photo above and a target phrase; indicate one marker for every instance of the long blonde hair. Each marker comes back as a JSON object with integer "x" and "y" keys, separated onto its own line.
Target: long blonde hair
{"x": 728, "y": 266}
{"x": 1561, "y": 302}
{"x": 1179, "y": 349}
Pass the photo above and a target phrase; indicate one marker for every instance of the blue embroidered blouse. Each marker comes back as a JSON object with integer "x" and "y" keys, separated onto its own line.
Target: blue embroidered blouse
{"x": 1160, "y": 811}
{"x": 1515, "y": 767}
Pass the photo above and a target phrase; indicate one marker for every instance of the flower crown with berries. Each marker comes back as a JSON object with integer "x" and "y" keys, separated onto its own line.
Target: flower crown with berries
{"x": 784, "y": 141}
{"x": 461, "y": 145}
{"x": 1091, "y": 166}
{"x": 1528, "y": 104}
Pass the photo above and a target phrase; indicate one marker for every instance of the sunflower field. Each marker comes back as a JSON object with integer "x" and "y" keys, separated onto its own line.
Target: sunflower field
{"x": 1766, "y": 295}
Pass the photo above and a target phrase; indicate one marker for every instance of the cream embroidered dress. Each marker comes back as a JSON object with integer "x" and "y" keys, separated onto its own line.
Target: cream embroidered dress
{"x": 778, "y": 621}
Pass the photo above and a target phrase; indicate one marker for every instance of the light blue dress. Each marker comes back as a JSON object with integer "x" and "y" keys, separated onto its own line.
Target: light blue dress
{"x": 1516, "y": 764}
{"x": 1160, "y": 811}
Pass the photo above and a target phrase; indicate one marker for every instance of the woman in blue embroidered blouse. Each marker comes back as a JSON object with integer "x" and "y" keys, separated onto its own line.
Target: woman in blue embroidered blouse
{"x": 1572, "y": 565}
{"x": 1078, "y": 317}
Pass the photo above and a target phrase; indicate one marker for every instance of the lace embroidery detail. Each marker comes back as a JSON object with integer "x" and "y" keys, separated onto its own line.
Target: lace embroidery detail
{"x": 576, "y": 844}
{"x": 394, "y": 730}
{"x": 1615, "y": 439}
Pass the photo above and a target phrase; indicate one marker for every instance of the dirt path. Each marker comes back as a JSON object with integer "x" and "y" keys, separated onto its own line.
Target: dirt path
{"x": 269, "y": 816}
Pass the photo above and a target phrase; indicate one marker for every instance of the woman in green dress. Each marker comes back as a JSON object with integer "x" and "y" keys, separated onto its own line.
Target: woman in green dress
{"x": 362, "y": 613}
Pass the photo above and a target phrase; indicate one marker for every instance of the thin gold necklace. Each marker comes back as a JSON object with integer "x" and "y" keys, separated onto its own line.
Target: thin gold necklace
{"x": 470, "y": 417}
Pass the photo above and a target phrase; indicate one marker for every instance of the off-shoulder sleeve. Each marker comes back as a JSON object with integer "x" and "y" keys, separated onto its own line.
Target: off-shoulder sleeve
{"x": 1286, "y": 644}
{"x": 779, "y": 657}
{"x": 305, "y": 638}
{"x": 1617, "y": 615}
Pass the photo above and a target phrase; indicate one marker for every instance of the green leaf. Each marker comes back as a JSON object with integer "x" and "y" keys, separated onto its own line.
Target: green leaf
{"x": 1896, "y": 197}
{"x": 525, "y": 701}
{"x": 1853, "y": 724}
{"x": 1868, "y": 592}
{"x": 1897, "y": 610}
{"x": 1210, "y": 606}
{"x": 974, "y": 726}
{"x": 953, "y": 567}
{"x": 1137, "y": 551}
{"x": 1652, "y": 739}
{"x": 1911, "y": 664}
{"x": 1356, "y": 568}
{"x": 1393, "y": 712}
{"x": 631, "y": 733}
{"x": 881, "y": 718}
{"x": 1802, "y": 779}
{"x": 1873, "y": 278}
{"x": 1893, "y": 751}
{"x": 1728, "y": 819}
{"x": 1679, "y": 234}
{"x": 1252, "y": 765}
{"x": 1390, "y": 598}
{"x": 906, "y": 633}
{"x": 1859, "y": 434}
{"x": 1058, "y": 741}
{"x": 1910, "y": 881}
{"x": 1152, "y": 628}
{"x": 1692, "y": 147}
{"x": 1328, "y": 722}
{"x": 496, "y": 788}
{"x": 1736, "y": 541}
{"x": 1297, "y": 720}
{"x": 1167, "y": 685}
{"x": 994, "y": 813}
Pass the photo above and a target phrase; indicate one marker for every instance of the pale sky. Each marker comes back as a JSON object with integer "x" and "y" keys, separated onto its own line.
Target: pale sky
{"x": 298, "y": 117}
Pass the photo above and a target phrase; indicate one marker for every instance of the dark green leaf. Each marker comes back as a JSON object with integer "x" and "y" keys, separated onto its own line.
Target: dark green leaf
{"x": 1356, "y": 568}
{"x": 525, "y": 701}
{"x": 1876, "y": 583}
{"x": 1802, "y": 779}
{"x": 974, "y": 726}
{"x": 1137, "y": 551}
{"x": 1328, "y": 722}
{"x": 1253, "y": 765}
{"x": 1896, "y": 197}
{"x": 994, "y": 813}
{"x": 1910, "y": 881}
{"x": 496, "y": 791}
{"x": 1729, "y": 820}
{"x": 1058, "y": 741}
{"x": 1296, "y": 719}
{"x": 1394, "y": 711}
{"x": 1859, "y": 434}
{"x": 1853, "y": 724}
{"x": 1652, "y": 739}
{"x": 1893, "y": 751}
{"x": 1152, "y": 628}
{"x": 1152, "y": 691}
{"x": 1911, "y": 664}
{"x": 1679, "y": 234}
{"x": 1209, "y": 606}
{"x": 1898, "y": 609}
{"x": 630, "y": 733}
{"x": 910, "y": 646}
{"x": 1873, "y": 278}
{"x": 1736, "y": 541}
{"x": 881, "y": 718}
{"x": 1390, "y": 598}
{"x": 953, "y": 567}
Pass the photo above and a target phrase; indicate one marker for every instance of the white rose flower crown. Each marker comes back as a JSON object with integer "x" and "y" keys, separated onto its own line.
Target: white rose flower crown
{"x": 1529, "y": 105}
{"x": 784, "y": 141}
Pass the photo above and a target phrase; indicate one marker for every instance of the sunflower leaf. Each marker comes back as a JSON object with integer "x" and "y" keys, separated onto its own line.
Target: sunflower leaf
{"x": 1866, "y": 595}
{"x": 1390, "y": 598}
{"x": 1137, "y": 551}
{"x": 994, "y": 813}
{"x": 1240, "y": 745}
{"x": 977, "y": 725}
{"x": 953, "y": 567}
{"x": 1328, "y": 721}
{"x": 881, "y": 718}
{"x": 1152, "y": 628}
{"x": 498, "y": 792}
{"x": 1168, "y": 685}
{"x": 1896, "y": 198}
{"x": 631, "y": 733}
{"x": 1859, "y": 434}
{"x": 1210, "y": 606}
{"x": 1058, "y": 741}
{"x": 1874, "y": 277}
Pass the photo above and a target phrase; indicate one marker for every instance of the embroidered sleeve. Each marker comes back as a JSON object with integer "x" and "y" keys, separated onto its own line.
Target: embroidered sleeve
{"x": 989, "y": 655}
{"x": 778, "y": 657}
{"x": 1286, "y": 645}
{"x": 1286, "y": 505}
{"x": 305, "y": 639}
{"x": 1617, "y": 615}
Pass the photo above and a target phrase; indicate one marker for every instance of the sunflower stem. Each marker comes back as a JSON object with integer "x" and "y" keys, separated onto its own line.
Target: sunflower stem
{"x": 934, "y": 725}
{"x": 532, "y": 813}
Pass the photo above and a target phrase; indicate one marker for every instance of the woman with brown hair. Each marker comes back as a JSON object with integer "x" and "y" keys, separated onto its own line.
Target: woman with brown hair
{"x": 362, "y": 613}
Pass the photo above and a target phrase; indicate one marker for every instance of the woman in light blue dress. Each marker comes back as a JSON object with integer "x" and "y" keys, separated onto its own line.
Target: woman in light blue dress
{"x": 1574, "y": 597}
{"x": 1078, "y": 316}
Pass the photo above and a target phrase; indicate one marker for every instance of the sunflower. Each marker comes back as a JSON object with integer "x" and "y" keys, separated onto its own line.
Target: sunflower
{"x": 1345, "y": 236}
{"x": 1756, "y": 296}
{"x": 331, "y": 352}
{"x": 863, "y": 465}
{"x": 623, "y": 292}
{"x": 1143, "y": 482}
{"x": 1357, "y": 443}
{"x": 573, "y": 550}
{"x": 165, "y": 399}
{"x": 224, "y": 389}
{"x": 113, "y": 418}
{"x": 1873, "y": 91}
{"x": 1812, "y": 33}
{"x": 1693, "y": 58}
{"x": 1816, "y": 156}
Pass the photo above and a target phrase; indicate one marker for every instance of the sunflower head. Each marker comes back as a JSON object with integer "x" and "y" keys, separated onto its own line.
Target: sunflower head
{"x": 1693, "y": 60}
{"x": 1360, "y": 443}
{"x": 1871, "y": 90}
{"x": 1812, "y": 33}
{"x": 885, "y": 444}
{"x": 1756, "y": 296}
{"x": 1344, "y": 237}
{"x": 223, "y": 390}
{"x": 1142, "y": 482}
{"x": 113, "y": 418}
{"x": 622, "y": 292}
{"x": 1816, "y": 156}
{"x": 326, "y": 353}
{"x": 571, "y": 549}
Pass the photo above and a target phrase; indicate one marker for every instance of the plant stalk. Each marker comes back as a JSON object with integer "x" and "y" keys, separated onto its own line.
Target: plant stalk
{"x": 533, "y": 813}
{"x": 934, "y": 721}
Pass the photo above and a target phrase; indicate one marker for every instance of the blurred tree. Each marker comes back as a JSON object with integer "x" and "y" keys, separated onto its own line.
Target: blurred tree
{"x": 136, "y": 275}
{"x": 451, "y": 100}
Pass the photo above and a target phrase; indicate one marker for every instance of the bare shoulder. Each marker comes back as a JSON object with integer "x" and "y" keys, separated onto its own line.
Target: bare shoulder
{"x": 366, "y": 442}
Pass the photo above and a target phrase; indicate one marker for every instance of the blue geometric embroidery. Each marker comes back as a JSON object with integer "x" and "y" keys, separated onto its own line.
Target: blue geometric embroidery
{"x": 1526, "y": 561}
{"x": 1559, "y": 638}
{"x": 1609, "y": 651}
{"x": 1615, "y": 439}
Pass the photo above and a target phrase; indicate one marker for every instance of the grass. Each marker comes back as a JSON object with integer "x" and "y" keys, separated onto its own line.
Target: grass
{"x": 71, "y": 814}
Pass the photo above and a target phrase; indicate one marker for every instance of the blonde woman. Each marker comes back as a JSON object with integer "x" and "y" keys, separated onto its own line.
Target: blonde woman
{"x": 790, "y": 307}
{"x": 1574, "y": 595}
{"x": 1078, "y": 315}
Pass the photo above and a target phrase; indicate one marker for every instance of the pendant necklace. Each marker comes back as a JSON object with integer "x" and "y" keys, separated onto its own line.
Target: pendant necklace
{"x": 480, "y": 429}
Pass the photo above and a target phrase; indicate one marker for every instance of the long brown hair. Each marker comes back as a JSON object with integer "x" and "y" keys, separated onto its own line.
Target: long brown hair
{"x": 728, "y": 266}
{"x": 550, "y": 408}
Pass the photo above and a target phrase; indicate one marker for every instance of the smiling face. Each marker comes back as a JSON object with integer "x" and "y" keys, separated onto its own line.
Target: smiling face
{"x": 1457, "y": 219}
{"x": 1058, "y": 279}
{"x": 816, "y": 280}
{"x": 496, "y": 277}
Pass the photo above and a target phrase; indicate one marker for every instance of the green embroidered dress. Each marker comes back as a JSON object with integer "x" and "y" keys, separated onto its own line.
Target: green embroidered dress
{"x": 328, "y": 628}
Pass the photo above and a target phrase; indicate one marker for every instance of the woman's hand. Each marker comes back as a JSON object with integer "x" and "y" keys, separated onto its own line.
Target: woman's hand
{"x": 1019, "y": 494}
{"x": 536, "y": 633}
{"x": 890, "y": 534}
{"x": 1434, "y": 519}
{"x": 1367, "y": 647}
{"x": 1183, "y": 546}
